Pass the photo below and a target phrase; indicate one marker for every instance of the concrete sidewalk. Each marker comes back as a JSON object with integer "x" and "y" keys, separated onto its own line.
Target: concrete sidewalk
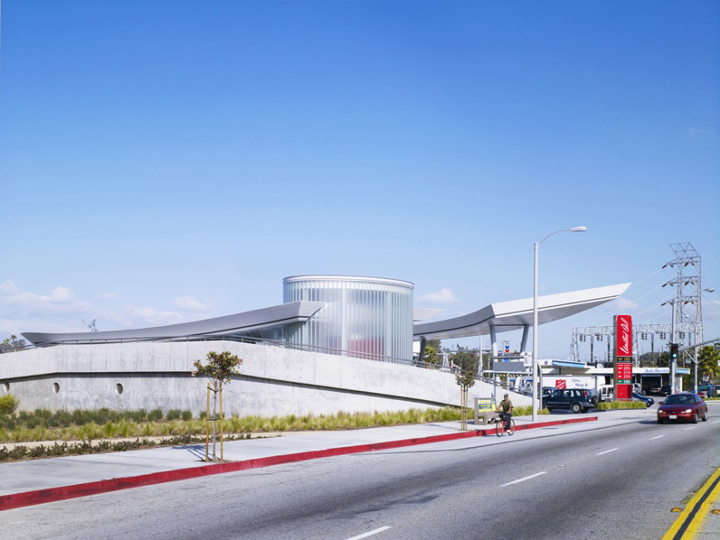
{"x": 33, "y": 482}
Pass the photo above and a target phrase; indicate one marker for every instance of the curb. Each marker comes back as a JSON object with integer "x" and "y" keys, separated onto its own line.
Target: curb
{"x": 42, "y": 496}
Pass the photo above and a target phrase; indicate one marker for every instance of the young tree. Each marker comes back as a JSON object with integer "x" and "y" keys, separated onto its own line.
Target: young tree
{"x": 465, "y": 380}
{"x": 219, "y": 369}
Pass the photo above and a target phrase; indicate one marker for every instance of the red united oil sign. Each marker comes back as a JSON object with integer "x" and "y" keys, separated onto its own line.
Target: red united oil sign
{"x": 623, "y": 336}
{"x": 623, "y": 357}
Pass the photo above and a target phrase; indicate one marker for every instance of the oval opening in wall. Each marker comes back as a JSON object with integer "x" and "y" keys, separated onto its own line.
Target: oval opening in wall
{"x": 118, "y": 389}
{"x": 56, "y": 387}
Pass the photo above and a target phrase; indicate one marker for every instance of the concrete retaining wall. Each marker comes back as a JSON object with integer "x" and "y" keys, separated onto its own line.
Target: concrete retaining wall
{"x": 273, "y": 380}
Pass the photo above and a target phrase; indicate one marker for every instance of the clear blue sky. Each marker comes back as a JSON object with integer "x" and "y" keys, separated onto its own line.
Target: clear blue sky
{"x": 169, "y": 161}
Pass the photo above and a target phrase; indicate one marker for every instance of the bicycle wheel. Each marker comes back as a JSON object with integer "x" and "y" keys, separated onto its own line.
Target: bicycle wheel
{"x": 512, "y": 427}
{"x": 500, "y": 428}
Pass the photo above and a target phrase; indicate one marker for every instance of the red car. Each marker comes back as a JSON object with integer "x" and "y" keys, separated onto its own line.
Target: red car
{"x": 683, "y": 406}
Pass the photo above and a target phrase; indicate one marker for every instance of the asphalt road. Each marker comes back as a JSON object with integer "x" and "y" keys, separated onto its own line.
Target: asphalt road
{"x": 566, "y": 482}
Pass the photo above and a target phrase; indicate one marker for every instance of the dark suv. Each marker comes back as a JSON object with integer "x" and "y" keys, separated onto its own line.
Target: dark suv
{"x": 575, "y": 400}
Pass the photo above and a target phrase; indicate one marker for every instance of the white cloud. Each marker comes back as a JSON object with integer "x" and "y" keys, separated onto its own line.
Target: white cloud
{"x": 624, "y": 304}
{"x": 188, "y": 303}
{"x": 698, "y": 132}
{"x": 62, "y": 311}
{"x": 60, "y": 300}
{"x": 150, "y": 315}
{"x": 60, "y": 295}
{"x": 59, "y": 311}
{"x": 108, "y": 296}
{"x": 443, "y": 296}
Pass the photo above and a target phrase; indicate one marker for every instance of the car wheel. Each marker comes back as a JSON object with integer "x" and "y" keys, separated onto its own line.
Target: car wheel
{"x": 695, "y": 419}
{"x": 704, "y": 418}
{"x": 660, "y": 420}
{"x": 576, "y": 408}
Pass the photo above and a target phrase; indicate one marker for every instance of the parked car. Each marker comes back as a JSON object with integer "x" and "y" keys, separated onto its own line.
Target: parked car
{"x": 682, "y": 406}
{"x": 665, "y": 390}
{"x": 606, "y": 392}
{"x": 708, "y": 388}
{"x": 573, "y": 399}
{"x": 702, "y": 394}
{"x": 649, "y": 402}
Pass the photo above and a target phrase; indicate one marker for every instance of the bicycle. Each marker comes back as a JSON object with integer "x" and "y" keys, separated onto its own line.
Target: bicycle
{"x": 505, "y": 425}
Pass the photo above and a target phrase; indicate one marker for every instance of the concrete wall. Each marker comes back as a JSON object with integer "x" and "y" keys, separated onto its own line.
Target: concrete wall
{"x": 273, "y": 380}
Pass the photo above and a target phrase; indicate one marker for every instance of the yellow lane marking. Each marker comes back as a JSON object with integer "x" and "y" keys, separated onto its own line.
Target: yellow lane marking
{"x": 689, "y": 522}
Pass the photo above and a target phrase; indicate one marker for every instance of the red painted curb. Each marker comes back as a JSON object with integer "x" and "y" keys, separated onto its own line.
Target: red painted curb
{"x": 41, "y": 496}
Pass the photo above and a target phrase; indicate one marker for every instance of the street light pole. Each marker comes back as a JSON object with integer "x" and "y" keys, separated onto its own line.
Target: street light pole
{"x": 535, "y": 357}
{"x": 694, "y": 358}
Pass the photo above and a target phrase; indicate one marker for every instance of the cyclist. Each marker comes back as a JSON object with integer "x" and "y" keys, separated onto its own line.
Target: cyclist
{"x": 505, "y": 409}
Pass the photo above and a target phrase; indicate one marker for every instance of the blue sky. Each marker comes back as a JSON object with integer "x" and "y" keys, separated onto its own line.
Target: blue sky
{"x": 168, "y": 161}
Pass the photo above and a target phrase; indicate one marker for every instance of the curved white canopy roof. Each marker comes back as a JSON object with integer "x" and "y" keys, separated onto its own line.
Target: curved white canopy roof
{"x": 258, "y": 319}
{"x": 516, "y": 314}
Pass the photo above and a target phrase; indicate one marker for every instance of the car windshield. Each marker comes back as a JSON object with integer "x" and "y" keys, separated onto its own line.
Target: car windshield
{"x": 678, "y": 400}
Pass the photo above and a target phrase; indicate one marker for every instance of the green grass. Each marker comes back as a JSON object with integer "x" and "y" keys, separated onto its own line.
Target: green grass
{"x": 179, "y": 427}
{"x": 43, "y": 425}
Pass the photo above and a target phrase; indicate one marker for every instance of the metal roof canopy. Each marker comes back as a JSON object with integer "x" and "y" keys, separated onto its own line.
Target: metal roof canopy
{"x": 270, "y": 317}
{"x": 518, "y": 314}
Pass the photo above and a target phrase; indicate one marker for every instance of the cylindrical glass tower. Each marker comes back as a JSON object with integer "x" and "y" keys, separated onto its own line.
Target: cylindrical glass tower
{"x": 364, "y": 317}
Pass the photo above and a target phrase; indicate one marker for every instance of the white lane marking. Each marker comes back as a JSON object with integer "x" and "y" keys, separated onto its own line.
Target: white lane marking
{"x": 606, "y": 452}
{"x": 716, "y": 422}
{"x": 365, "y": 535}
{"x": 523, "y": 479}
{"x": 693, "y": 427}
{"x": 653, "y": 438}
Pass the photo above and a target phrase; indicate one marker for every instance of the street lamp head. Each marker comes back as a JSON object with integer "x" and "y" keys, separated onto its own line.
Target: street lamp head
{"x": 710, "y": 289}
{"x": 578, "y": 229}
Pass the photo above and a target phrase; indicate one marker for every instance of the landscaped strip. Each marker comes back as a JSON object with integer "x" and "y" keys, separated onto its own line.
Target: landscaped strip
{"x": 30, "y": 498}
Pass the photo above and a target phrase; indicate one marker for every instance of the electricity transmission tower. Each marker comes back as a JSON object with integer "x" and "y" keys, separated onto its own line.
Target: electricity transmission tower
{"x": 688, "y": 288}
{"x": 685, "y": 327}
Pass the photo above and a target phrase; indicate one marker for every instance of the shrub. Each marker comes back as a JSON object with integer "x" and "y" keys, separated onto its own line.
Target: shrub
{"x": 187, "y": 415}
{"x": 138, "y": 416}
{"x": 8, "y": 404}
{"x": 615, "y": 405}
{"x": 173, "y": 414}
{"x": 526, "y": 410}
{"x": 155, "y": 415}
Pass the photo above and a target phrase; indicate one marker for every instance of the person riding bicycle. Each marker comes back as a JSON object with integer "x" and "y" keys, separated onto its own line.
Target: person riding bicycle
{"x": 505, "y": 409}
